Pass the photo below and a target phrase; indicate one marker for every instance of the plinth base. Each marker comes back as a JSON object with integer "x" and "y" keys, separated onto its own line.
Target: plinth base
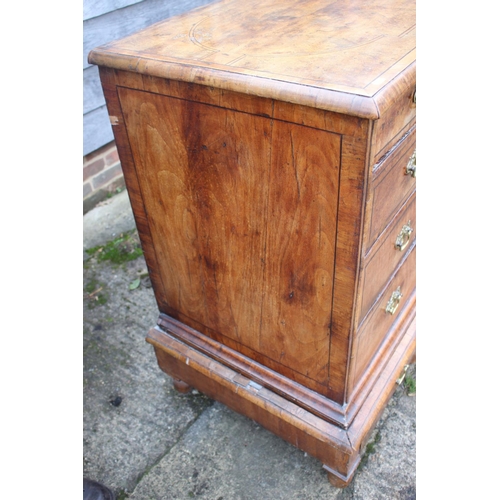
{"x": 339, "y": 449}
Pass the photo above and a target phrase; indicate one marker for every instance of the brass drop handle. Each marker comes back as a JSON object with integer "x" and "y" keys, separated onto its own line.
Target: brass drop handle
{"x": 411, "y": 167}
{"x": 404, "y": 236}
{"x": 393, "y": 303}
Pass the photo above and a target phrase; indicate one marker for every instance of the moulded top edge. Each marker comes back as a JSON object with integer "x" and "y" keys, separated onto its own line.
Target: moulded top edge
{"x": 331, "y": 55}
{"x": 340, "y": 101}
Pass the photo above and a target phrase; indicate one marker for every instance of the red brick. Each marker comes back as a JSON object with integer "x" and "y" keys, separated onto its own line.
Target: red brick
{"x": 87, "y": 189}
{"x": 92, "y": 156}
{"x": 112, "y": 157}
{"x": 93, "y": 168}
{"x": 98, "y": 152}
{"x": 103, "y": 178}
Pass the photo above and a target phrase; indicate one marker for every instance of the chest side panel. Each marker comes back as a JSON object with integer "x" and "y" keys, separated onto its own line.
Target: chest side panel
{"x": 242, "y": 211}
{"x": 300, "y": 249}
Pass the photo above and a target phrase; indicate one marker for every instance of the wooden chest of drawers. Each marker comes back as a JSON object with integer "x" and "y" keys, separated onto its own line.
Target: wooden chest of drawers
{"x": 269, "y": 153}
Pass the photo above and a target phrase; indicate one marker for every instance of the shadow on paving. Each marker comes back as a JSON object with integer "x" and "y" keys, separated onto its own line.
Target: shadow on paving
{"x": 145, "y": 441}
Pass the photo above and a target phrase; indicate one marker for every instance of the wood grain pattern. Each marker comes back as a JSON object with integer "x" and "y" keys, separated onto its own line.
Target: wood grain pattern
{"x": 319, "y": 118}
{"x": 267, "y": 181}
{"x": 372, "y": 333}
{"x": 120, "y": 23}
{"x": 384, "y": 257}
{"x": 359, "y": 388}
{"x": 109, "y": 81}
{"x": 249, "y": 48}
{"x": 391, "y": 187}
{"x": 321, "y": 439}
{"x": 399, "y": 112}
{"x": 340, "y": 450}
{"x": 300, "y": 247}
{"x": 252, "y": 355}
{"x": 349, "y": 240}
{"x": 281, "y": 383}
{"x": 368, "y": 407}
{"x": 375, "y": 159}
{"x": 195, "y": 174}
{"x": 317, "y": 38}
{"x": 220, "y": 214}
{"x": 206, "y": 94}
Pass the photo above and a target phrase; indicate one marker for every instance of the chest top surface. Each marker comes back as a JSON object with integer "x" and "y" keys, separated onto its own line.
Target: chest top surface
{"x": 336, "y": 55}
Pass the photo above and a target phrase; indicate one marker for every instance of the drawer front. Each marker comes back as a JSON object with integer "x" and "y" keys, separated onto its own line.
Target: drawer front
{"x": 394, "y": 123}
{"x": 385, "y": 314}
{"x": 392, "y": 185}
{"x": 387, "y": 254}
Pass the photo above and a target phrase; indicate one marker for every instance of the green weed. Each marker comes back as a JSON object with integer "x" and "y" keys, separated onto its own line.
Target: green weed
{"x": 95, "y": 294}
{"x": 122, "y": 249}
{"x": 410, "y": 385}
{"x": 370, "y": 448}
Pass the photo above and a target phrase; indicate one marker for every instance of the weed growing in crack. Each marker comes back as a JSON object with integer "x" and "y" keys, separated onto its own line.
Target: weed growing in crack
{"x": 122, "y": 249}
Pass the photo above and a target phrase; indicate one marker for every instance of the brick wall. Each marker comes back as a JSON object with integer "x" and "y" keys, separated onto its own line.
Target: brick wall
{"x": 102, "y": 175}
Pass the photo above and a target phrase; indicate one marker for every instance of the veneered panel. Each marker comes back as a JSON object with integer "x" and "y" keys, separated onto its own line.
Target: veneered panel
{"x": 206, "y": 205}
{"x": 242, "y": 211}
{"x": 300, "y": 248}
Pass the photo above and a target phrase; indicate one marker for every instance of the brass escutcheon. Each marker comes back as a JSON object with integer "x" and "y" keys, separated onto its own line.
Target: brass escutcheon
{"x": 411, "y": 167}
{"x": 393, "y": 303}
{"x": 404, "y": 236}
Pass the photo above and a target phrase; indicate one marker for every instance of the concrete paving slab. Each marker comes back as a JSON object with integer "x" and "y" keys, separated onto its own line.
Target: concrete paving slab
{"x": 224, "y": 455}
{"x": 145, "y": 441}
{"x": 132, "y": 415}
{"x": 107, "y": 220}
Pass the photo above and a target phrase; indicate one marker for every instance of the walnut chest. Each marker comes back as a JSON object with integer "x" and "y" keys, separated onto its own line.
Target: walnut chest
{"x": 268, "y": 149}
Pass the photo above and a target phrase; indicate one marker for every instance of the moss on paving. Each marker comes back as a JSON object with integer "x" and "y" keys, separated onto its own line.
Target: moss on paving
{"x": 123, "y": 249}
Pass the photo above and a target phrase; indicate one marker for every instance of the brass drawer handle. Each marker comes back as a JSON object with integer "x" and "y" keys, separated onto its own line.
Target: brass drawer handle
{"x": 393, "y": 303}
{"x": 411, "y": 167}
{"x": 404, "y": 236}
